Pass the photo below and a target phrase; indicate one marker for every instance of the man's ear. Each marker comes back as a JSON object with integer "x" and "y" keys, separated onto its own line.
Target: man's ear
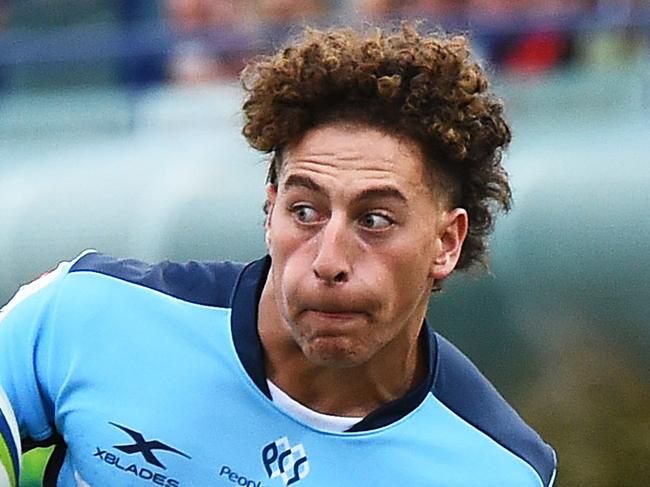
{"x": 451, "y": 235}
{"x": 271, "y": 195}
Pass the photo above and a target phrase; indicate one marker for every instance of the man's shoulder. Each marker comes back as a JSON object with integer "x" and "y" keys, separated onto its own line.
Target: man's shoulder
{"x": 461, "y": 387}
{"x": 200, "y": 282}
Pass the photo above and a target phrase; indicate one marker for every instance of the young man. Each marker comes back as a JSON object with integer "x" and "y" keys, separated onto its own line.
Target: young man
{"x": 314, "y": 365}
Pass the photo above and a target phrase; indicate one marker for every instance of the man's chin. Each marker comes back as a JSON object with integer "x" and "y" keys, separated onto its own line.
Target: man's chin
{"x": 333, "y": 352}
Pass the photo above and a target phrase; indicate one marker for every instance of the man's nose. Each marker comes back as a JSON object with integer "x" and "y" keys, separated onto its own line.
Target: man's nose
{"x": 333, "y": 263}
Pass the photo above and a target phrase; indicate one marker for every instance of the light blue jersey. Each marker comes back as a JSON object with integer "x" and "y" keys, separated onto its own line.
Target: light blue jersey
{"x": 154, "y": 376}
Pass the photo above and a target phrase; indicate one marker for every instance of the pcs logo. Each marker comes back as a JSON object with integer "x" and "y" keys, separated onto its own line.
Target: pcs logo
{"x": 144, "y": 448}
{"x": 283, "y": 460}
{"x": 280, "y": 459}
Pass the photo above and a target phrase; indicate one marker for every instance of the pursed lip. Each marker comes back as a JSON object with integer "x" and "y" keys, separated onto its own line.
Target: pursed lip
{"x": 336, "y": 314}
{"x": 340, "y": 315}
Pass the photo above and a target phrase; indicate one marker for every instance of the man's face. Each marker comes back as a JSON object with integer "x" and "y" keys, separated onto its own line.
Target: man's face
{"x": 357, "y": 235}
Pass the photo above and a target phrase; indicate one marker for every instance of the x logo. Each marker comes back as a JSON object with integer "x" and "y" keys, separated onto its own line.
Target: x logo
{"x": 145, "y": 447}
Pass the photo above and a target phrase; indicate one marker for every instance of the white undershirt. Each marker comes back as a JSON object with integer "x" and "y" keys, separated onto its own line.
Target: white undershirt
{"x": 321, "y": 421}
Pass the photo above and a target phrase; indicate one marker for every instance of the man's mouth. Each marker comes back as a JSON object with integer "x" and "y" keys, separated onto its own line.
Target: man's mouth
{"x": 335, "y": 314}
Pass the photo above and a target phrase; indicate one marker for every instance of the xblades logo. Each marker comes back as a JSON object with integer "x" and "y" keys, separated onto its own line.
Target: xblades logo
{"x": 283, "y": 460}
{"x": 145, "y": 447}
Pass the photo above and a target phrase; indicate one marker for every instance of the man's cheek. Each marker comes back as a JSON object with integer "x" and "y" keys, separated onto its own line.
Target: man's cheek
{"x": 296, "y": 269}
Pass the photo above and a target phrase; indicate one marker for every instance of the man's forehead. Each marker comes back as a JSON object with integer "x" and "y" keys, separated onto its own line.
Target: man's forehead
{"x": 359, "y": 151}
{"x": 354, "y": 147}
{"x": 363, "y": 181}
{"x": 351, "y": 140}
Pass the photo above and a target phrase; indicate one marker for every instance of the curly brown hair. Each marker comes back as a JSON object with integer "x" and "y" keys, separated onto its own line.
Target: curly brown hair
{"x": 422, "y": 87}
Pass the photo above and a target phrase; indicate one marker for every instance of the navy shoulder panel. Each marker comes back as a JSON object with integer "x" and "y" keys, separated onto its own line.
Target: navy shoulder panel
{"x": 462, "y": 388}
{"x": 206, "y": 283}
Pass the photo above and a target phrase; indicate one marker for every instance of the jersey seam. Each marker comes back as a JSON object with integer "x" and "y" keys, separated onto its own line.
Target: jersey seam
{"x": 492, "y": 439}
{"x": 146, "y": 288}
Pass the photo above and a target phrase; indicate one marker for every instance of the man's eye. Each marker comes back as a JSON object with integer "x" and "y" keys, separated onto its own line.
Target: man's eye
{"x": 305, "y": 214}
{"x": 375, "y": 221}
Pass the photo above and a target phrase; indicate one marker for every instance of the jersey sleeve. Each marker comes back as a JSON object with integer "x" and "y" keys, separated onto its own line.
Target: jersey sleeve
{"x": 27, "y": 357}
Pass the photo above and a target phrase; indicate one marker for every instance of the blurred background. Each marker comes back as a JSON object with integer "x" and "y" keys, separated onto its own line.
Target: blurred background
{"x": 119, "y": 130}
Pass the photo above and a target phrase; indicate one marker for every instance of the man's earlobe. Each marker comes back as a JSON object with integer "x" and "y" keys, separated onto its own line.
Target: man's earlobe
{"x": 451, "y": 235}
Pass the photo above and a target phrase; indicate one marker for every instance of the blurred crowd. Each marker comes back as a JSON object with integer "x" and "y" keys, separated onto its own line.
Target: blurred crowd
{"x": 203, "y": 40}
{"x": 526, "y": 37}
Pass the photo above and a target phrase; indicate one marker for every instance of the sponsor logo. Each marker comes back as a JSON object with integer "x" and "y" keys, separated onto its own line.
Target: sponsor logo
{"x": 145, "y": 448}
{"x": 238, "y": 479}
{"x": 137, "y": 470}
{"x": 280, "y": 459}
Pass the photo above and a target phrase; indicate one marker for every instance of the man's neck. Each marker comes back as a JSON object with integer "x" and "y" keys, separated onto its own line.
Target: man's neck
{"x": 349, "y": 391}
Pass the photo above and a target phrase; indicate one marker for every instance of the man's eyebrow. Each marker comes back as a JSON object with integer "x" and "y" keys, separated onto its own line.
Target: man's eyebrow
{"x": 372, "y": 193}
{"x": 381, "y": 192}
{"x": 304, "y": 182}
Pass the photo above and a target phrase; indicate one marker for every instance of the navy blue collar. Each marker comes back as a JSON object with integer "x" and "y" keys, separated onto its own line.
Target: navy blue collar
{"x": 245, "y": 299}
